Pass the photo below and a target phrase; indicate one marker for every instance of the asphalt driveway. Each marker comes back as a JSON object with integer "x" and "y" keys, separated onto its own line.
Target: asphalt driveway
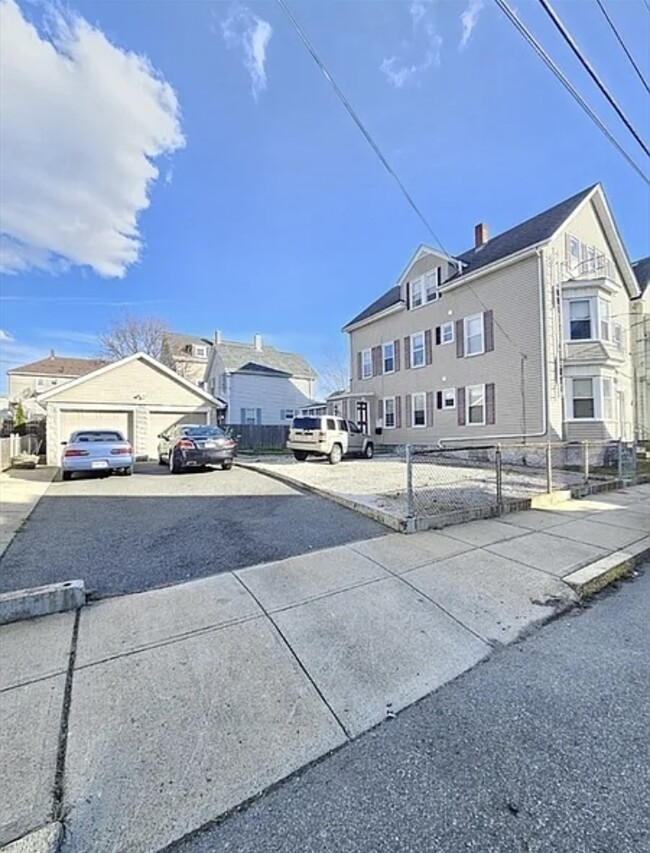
{"x": 125, "y": 535}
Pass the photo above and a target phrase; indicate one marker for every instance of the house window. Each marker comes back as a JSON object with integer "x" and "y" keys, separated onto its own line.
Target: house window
{"x": 574, "y": 252}
{"x": 618, "y": 336}
{"x": 590, "y": 258}
{"x": 579, "y": 319}
{"x": 605, "y": 318}
{"x": 287, "y": 414}
{"x": 417, "y": 350}
{"x": 200, "y": 352}
{"x": 608, "y": 400}
{"x": 250, "y": 416}
{"x": 389, "y": 357}
{"x": 474, "y": 343}
{"x": 447, "y": 333}
{"x": 449, "y": 398}
{"x": 366, "y": 364}
{"x": 419, "y": 409}
{"x": 389, "y": 412}
{"x": 431, "y": 284}
{"x": 40, "y": 382}
{"x": 416, "y": 293}
{"x": 475, "y": 397}
{"x": 582, "y": 399}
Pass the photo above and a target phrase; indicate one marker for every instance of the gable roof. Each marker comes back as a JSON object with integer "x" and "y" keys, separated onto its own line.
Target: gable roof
{"x": 532, "y": 232}
{"x": 56, "y": 365}
{"x": 179, "y": 344}
{"x": 642, "y": 272}
{"x": 236, "y": 357}
{"x": 141, "y": 356}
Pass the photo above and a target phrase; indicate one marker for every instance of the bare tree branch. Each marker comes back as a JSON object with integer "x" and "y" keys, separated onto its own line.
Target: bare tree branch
{"x": 334, "y": 373}
{"x": 133, "y": 334}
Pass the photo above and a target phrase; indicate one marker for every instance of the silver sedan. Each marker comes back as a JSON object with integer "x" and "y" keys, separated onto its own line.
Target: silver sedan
{"x": 99, "y": 450}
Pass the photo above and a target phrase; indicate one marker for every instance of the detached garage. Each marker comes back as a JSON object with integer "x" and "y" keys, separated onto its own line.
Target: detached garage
{"x": 138, "y": 396}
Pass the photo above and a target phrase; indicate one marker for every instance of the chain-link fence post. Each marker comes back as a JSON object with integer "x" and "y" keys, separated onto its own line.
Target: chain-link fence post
{"x": 499, "y": 476}
{"x": 549, "y": 468}
{"x": 585, "y": 460}
{"x": 410, "y": 515}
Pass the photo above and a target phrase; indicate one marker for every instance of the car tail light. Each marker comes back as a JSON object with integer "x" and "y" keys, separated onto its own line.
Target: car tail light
{"x": 184, "y": 444}
{"x": 116, "y": 451}
{"x": 322, "y": 436}
{"x": 229, "y": 443}
{"x": 69, "y": 453}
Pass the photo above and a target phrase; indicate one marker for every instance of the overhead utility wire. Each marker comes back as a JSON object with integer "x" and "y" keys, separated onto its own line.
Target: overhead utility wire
{"x": 312, "y": 50}
{"x": 532, "y": 41}
{"x": 550, "y": 11}
{"x": 623, "y": 45}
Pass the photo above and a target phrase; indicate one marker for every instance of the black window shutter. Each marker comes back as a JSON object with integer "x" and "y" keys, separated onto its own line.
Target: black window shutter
{"x": 490, "y": 404}
{"x": 460, "y": 339}
{"x": 359, "y": 367}
{"x": 439, "y": 399}
{"x": 460, "y": 406}
{"x": 243, "y": 416}
{"x": 437, "y": 336}
{"x": 488, "y": 328}
{"x": 407, "y": 288}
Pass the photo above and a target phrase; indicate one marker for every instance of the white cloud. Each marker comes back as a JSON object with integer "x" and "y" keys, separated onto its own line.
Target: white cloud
{"x": 468, "y": 20}
{"x": 242, "y": 29}
{"x": 423, "y": 49}
{"x": 5, "y": 336}
{"x": 82, "y": 123}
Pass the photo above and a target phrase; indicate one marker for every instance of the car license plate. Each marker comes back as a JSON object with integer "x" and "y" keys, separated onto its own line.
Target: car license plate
{"x": 99, "y": 463}
{"x": 210, "y": 444}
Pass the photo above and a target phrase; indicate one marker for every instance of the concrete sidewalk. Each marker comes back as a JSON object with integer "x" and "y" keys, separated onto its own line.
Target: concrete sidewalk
{"x": 189, "y": 700}
{"x": 20, "y": 491}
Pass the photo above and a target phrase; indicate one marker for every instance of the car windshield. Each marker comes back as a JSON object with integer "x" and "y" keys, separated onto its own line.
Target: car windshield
{"x": 97, "y": 435}
{"x": 306, "y": 423}
{"x": 203, "y": 432}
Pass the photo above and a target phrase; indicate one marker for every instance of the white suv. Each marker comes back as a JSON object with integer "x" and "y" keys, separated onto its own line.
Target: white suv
{"x": 328, "y": 436}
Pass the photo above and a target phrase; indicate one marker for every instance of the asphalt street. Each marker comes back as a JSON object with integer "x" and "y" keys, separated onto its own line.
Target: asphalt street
{"x": 543, "y": 749}
{"x": 126, "y": 534}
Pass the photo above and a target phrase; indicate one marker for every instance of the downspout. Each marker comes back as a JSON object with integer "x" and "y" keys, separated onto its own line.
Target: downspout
{"x": 545, "y": 384}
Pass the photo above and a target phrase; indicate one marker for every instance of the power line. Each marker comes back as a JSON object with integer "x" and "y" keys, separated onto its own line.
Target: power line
{"x": 312, "y": 51}
{"x": 550, "y": 11}
{"x": 532, "y": 41}
{"x": 622, "y": 44}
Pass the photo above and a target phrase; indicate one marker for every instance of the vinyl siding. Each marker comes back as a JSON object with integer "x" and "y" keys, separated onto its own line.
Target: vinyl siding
{"x": 513, "y": 296}
{"x": 271, "y": 394}
{"x": 22, "y": 386}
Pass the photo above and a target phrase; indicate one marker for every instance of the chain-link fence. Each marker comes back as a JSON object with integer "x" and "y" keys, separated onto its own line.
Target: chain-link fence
{"x": 486, "y": 479}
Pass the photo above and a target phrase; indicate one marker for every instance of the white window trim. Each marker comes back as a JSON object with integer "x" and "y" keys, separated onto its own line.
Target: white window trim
{"x": 466, "y": 322}
{"x": 468, "y": 391}
{"x": 365, "y": 375}
{"x": 599, "y": 397}
{"x": 424, "y": 354}
{"x": 595, "y": 319}
{"x": 392, "y": 400}
{"x": 571, "y": 262}
{"x": 383, "y": 357}
{"x": 451, "y": 391}
{"x": 437, "y": 271}
{"x": 201, "y": 352}
{"x": 423, "y": 395}
{"x": 450, "y": 325}
{"x": 420, "y": 282}
{"x": 601, "y": 319}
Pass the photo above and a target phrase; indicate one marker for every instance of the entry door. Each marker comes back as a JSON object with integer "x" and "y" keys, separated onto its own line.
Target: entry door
{"x": 362, "y": 416}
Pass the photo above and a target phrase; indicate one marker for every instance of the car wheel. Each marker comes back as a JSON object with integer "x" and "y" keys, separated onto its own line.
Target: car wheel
{"x": 162, "y": 460}
{"x": 299, "y": 455}
{"x": 66, "y": 475}
{"x": 336, "y": 454}
{"x": 175, "y": 465}
{"x": 226, "y": 466}
{"x": 369, "y": 450}
{"x": 128, "y": 471}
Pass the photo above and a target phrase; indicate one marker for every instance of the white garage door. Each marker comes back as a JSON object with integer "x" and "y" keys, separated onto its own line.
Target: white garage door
{"x": 76, "y": 419}
{"x": 163, "y": 422}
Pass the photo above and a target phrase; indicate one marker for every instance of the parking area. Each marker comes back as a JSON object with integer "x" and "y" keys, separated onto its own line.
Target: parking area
{"x": 127, "y": 534}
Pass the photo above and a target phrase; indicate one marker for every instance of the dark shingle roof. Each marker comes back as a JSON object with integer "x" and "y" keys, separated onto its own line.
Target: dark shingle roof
{"x": 236, "y": 356}
{"x": 391, "y": 297}
{"x": 528, "y": 233}
{"x": 60, "y": 366}
{"x": 522, "y": 236}
{"x": 642, "y": 272}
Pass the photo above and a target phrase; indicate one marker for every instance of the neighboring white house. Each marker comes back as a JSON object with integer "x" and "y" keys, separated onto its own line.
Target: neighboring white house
{"x": 260, "y": 384}
{"x": 137, "y": 395}
{"x": 640, "y": 333}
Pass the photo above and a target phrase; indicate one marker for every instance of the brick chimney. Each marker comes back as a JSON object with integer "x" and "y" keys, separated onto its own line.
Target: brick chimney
{"x": 257, "y": 342}
{"x": 217, "y": 336}
{"x": 480, "y": 235}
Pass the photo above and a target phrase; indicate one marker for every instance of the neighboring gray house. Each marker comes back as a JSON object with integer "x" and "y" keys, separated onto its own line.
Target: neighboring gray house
{"x": 640, "y": 335}
{"x": 526, "y": 335}
{"x": 261, "y": 384}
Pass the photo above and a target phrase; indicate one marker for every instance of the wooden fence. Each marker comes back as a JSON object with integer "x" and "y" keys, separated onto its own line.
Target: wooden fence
{"x": 254, "y": 437}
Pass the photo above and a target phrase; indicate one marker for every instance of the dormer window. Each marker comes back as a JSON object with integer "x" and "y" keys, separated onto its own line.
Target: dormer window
{"x": 417, "y": 298}
{"x": 200, "y": 351}
{"x": 432, "y": 281}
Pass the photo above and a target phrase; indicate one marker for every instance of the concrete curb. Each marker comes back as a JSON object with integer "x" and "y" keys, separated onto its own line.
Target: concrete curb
{"x": 41, "y": 601}
{"x": 384, "y": 518}
{"x": 44, "y": 840}
{"x": 596, "y": 576}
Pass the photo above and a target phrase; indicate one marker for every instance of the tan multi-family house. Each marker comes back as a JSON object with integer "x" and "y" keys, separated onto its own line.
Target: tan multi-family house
{"x": 24, "y": 383}
{"x": 640, "y": 336}
{"x": 187, "y": 355}
{"x": 526, "y": 335}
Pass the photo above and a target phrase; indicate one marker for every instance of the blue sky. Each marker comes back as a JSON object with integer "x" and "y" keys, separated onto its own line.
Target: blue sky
{"x": 269, "y": 213}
